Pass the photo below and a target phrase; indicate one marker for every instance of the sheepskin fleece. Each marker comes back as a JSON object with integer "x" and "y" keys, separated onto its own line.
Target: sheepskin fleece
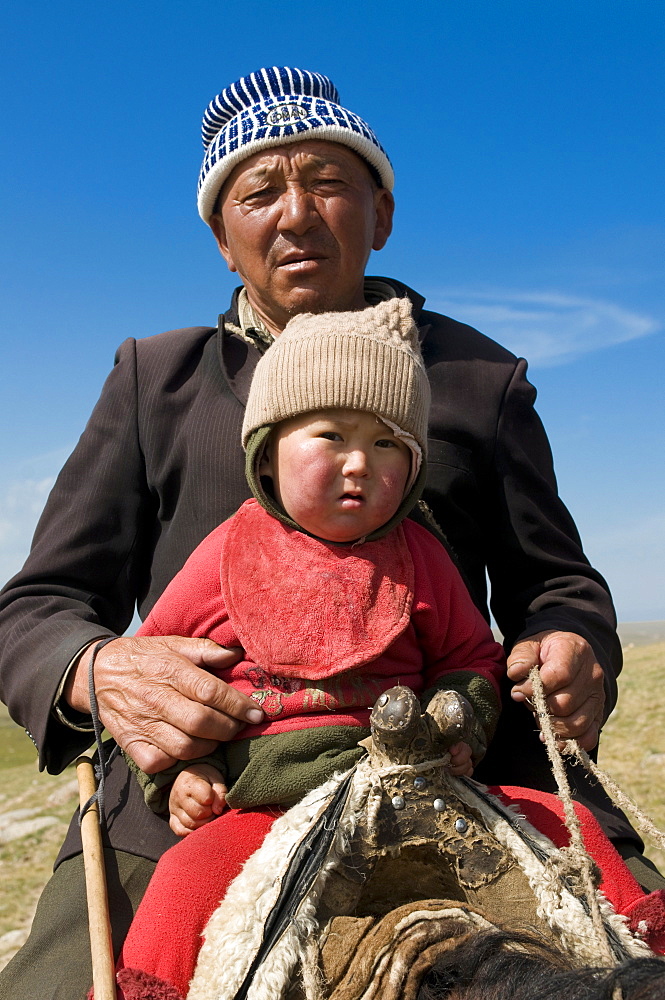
{"x": 234, "y": 932}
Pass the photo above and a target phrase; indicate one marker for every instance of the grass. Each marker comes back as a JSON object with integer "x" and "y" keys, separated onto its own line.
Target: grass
{"x": 632, "y": 750}
{"x": 26, "y": 862}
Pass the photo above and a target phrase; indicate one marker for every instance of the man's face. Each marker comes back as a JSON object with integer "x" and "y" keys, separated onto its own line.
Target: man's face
{"x": 298, "y": 223}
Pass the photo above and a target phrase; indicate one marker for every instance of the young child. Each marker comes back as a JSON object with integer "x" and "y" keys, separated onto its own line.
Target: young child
{"x": 332, "y": 597}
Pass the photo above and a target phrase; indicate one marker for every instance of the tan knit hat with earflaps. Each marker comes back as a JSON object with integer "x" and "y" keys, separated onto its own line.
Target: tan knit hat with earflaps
{"x": 366, "y": 360}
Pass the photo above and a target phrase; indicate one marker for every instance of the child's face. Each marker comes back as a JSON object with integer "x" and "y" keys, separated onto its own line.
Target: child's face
{"x": 339, "y": 474}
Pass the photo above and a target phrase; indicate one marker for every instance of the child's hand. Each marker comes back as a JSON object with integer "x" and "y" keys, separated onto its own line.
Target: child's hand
{"x": 198, "y": 795}
{"x": 460, "y": 760}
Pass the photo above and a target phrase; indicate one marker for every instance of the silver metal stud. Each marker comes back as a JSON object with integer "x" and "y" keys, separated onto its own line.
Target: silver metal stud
{"x": 398, "y": 802}
{"x": 383, "y": 700}
{"x": 461, "y": 825}
{"x": 439, "y": 805}
{"x": 420, "y": 783}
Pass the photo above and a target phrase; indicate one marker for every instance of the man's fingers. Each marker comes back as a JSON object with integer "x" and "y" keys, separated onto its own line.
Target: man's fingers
{"x": 159, "y": 746}
{"x": 523, "y": 656}
{"x": 579, "y": 722}
{"x": 178, "y": 665}
{"x": 583, "y": 698}
{"x": 148, "y": 757}
{"x": 587, "y": 738}
{"x": 175, "y": 710}
{"x": 567, "y": 660}
{"x": 157, "y": 734}
{"x": 204, "y": 652}
{"x": 206, "y": 690}
{"x": 572, "y": 682}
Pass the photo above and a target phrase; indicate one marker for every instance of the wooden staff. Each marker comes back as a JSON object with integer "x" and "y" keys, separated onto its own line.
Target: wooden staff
{"x": 99, "y": 922}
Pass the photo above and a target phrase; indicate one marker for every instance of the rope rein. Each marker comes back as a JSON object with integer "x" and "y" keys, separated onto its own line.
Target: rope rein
{"x": 577, "y": 851}
{"x": 572, "y": 749}
{"x": 618, "y": 796}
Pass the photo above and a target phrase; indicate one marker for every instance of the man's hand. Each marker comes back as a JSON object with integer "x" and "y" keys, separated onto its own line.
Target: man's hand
{"x": 157, "y": 701}
{"x": 198, "y": 796}
{"x": 572, "y": 680}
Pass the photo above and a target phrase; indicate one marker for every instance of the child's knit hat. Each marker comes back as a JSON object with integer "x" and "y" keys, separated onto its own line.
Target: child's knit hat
{"x": 364, "y": 360}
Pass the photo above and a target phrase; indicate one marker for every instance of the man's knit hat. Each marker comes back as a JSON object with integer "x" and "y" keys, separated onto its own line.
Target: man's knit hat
{"x": 271, "y": 107}
{"x": 365, "y": 360}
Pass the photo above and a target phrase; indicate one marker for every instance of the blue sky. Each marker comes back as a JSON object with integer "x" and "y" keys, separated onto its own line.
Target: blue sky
{"x": 528, "y": 144}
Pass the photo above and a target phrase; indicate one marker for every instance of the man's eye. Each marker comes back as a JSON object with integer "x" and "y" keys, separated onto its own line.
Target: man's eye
{"x": 328, "y": 183}
{"x": 261, "y": 195}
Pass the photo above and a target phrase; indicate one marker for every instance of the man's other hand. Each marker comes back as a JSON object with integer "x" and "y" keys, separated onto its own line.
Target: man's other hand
{"x": 157, "y": 699}
{"x": 572, "y": 680}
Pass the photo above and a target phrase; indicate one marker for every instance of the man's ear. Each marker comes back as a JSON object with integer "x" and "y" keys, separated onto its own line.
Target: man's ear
{"x": 384, "y": 206}
{"x": 219, "y": 232}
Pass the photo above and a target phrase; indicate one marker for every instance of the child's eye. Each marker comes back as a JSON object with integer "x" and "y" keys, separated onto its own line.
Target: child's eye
{"x": 385, "y": 443}
{"x": 331, "y": 435}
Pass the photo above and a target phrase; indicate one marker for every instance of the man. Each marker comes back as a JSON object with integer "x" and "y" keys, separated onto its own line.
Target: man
{"x": 297, "y": 191}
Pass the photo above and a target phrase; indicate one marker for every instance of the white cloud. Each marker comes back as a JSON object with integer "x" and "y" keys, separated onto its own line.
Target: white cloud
{"x": 548, "y": 328}
{"x": 23, "y": 493}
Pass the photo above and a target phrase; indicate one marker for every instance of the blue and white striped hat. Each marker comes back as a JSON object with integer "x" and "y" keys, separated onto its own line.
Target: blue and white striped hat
{"x": 271, "y": 107}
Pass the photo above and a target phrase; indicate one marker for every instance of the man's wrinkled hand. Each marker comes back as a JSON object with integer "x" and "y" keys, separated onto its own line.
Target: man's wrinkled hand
{"x": 158, "y": 700}
{"x": 572, "y": 681}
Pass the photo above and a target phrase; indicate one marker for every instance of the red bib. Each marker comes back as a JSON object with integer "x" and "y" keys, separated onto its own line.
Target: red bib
{"x": 350, "y": 602}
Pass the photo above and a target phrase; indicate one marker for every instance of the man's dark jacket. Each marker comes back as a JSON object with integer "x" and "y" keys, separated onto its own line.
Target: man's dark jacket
{"x": 159, "y": 465}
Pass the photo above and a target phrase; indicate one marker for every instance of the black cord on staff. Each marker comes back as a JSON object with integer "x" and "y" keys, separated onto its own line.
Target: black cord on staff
{"x": 103, "y": 762}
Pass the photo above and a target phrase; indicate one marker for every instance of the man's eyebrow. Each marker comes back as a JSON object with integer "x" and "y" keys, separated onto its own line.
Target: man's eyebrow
{"x": 324, "y": 161}
{"x": 256, "y": 174}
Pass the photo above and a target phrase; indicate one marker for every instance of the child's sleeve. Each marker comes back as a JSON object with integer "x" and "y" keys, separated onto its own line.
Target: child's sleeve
{"x": 459, "y": 650}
